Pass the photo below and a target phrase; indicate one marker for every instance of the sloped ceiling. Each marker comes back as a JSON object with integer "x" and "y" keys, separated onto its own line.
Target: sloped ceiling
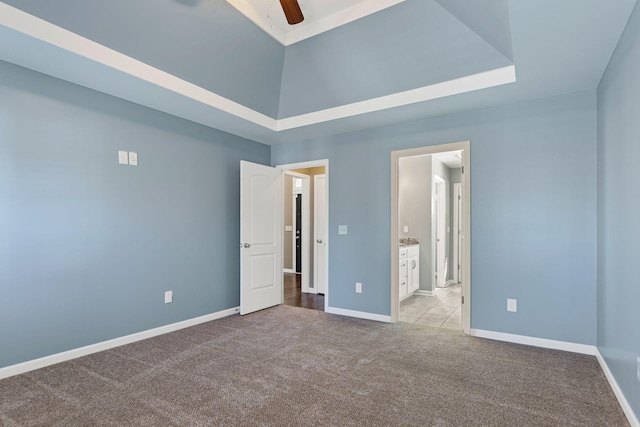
{"x": 204, "y": 61}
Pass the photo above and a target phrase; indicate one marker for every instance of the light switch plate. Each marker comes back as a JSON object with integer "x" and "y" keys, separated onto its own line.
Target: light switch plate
{"x": 512, "y": 305}
{"x": 358, "y": 287}
{"x": 288, "y": 228}
{"x": 342, "y": 229}
{"x": 123, "y": 157}
{"x": 405, "y": 229}
{"x": 168, "y": 297}
{"x": 133, "y": 158}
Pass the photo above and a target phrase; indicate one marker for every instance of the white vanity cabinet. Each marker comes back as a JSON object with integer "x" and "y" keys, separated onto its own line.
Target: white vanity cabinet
{"x": 409, "y": 271}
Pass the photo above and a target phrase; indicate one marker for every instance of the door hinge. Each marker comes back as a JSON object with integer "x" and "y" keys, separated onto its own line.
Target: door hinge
{"x": 459, "y": 197}
{"x": 462, "y": 298}
{"x": 463, "y": 169}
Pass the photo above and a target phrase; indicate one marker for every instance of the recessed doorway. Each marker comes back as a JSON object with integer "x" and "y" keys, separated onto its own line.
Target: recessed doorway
{"x": 430, "y": 254}
{"x": 304, "y": 234}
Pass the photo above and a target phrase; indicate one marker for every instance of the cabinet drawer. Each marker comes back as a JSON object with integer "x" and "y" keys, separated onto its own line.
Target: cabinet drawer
{"x": 403, "y": 287}
{"x": 403, "y": 268}
{"x": 403, "y": 253}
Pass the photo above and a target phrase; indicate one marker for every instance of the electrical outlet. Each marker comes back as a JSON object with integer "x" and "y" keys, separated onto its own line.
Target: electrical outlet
{"x": 133, "y": 158}
{"x": 168, "y": 297}
{"x": 638, "y": 368}
{"x": 342, "y": 229}
{"x": 358, "y": 287}
{"x": 512, "y": 305}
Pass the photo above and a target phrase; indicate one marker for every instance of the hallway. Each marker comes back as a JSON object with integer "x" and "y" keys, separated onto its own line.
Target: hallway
{"x": 293, "y": 295}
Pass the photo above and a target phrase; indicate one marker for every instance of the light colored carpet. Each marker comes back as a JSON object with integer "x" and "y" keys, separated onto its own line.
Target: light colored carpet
{"x": 290, "y": 366}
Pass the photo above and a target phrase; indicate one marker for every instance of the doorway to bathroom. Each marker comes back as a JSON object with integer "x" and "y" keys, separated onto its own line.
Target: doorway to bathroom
{"x": 430, "y": 246}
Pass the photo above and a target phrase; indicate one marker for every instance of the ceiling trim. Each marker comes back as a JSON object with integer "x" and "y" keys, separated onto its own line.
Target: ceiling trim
{"x": 49, "y": 33}
{"x": 68, "y": 42}
{"x": 305, "y": 31}
{"x": 484, "y": 80}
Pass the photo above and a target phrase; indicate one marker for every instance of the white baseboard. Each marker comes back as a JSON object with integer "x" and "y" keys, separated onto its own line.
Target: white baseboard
{"x": 288, "y": 270}
{"x": 423, "y": 292}
{"x": 535, "y": 342}
{"x": 626, "y": 407}
{"x": 31, "y": 365}
{"x": 359, "y": 314}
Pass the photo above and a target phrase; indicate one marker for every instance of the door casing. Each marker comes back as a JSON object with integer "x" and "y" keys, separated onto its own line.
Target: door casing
{"x": 312, "y": 164}
{"x": 305, "y": 281}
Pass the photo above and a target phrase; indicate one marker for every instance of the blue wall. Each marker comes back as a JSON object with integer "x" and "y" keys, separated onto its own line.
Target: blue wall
{"x": 618, "y": 208}
{"x": 533, "y": 220}
{"x": 87, "y": 246}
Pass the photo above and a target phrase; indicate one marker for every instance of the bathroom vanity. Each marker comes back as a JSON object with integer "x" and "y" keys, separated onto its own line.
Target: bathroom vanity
{"x": 409, "y": 271}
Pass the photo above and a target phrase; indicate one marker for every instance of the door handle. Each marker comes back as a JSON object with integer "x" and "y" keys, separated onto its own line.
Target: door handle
{"x": 246, "y": 245}
{"x": 319, "y": 240}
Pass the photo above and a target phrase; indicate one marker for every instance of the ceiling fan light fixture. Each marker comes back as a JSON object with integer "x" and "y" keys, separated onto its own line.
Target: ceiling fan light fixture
{"x": 292, "y": 11}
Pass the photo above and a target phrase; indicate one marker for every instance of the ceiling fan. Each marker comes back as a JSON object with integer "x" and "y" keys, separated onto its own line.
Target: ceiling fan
{"x": 292, "y": 11}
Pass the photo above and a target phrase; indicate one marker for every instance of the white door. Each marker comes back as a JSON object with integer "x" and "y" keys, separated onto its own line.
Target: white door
{"x": 320, "y": 233}
{"x": 457, "y": 232}
{"x": 260, "y": 237}
{"x": 440, "y": 231}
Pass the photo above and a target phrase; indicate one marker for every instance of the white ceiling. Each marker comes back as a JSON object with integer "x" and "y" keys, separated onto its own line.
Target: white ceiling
{"x": 319, "y": 16}
{"x": 452, "y": 159}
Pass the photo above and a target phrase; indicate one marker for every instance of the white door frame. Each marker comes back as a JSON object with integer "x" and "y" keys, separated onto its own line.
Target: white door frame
{"x": 316, "y": 225}
{"x": 466, "y": 225}
{"x": 313, "y": 164}
{"x": 438, "y": 230}
{"x": 457, "y": 201}
{"x": 305, "y": 274}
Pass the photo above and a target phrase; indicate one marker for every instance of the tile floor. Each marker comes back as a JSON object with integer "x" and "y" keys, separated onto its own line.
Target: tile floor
{"x": 440, "y": 311}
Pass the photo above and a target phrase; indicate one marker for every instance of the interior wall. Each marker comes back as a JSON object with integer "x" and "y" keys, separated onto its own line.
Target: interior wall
{"x": 618, "y": 205}
{"x": 87, "y": 246}
{"x": 414, "y": 209}
{"x": 533, "y": 236}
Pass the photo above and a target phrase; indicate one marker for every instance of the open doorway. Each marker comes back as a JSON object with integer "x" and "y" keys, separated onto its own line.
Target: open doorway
{"x": 305, "y": 234}
{"x": 430, "y": 283}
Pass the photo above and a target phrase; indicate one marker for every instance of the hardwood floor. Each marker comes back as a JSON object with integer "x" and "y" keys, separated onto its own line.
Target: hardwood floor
{"x": 293, "y": 295}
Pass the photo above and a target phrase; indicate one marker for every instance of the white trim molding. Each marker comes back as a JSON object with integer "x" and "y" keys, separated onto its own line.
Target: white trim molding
{"x": 484, "y": 80}
{"x": 75, "y": 353}
{"x": 358, "y": 314}
{"x": 624, "y": 403}
{"x": 423, "y": 292}
{"x": 535, "y": 342}
{"x": 51, "y": 45}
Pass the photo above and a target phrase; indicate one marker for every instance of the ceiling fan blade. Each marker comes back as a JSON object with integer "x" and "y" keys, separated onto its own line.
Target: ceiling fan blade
{"x": 292, "y": 11}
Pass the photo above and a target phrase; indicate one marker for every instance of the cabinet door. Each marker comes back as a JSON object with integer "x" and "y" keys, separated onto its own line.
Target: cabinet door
{"x": 413, "y": 274}
{"x": 403, "y": 287}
